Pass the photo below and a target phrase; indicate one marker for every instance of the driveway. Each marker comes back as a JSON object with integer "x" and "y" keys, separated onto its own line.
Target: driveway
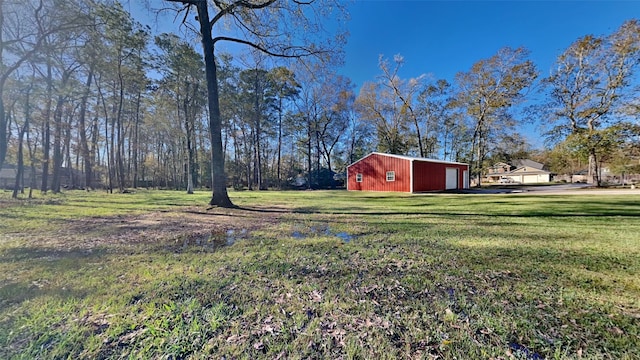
{"x": 560, "y": 189}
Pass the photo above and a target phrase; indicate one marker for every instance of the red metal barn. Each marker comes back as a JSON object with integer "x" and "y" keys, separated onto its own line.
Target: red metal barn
{"x": 387, "y": 172}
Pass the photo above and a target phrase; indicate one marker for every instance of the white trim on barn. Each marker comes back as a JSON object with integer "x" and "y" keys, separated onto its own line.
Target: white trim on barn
{"x": 410, "y": 158}
{"x": 411, "y": 175}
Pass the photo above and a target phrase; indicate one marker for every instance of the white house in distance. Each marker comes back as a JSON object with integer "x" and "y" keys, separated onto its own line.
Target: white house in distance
{"x": 522, "y": 171}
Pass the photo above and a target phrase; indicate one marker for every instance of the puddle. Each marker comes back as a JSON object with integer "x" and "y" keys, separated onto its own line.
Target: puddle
{"x": 523, "y": 350}
{"x": 215, "y": 239}
{"x": 344, "y": 236}
{"x": 233, "y": 236}
{"x": 321, "y": 230}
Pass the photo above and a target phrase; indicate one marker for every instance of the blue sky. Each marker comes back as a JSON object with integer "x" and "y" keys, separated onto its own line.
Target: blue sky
{"x": 442, "y": 38}
{"x": 445, "y": 37}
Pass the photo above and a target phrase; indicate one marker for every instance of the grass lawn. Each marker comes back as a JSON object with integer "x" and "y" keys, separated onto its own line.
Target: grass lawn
{"x": 319, "y": 274}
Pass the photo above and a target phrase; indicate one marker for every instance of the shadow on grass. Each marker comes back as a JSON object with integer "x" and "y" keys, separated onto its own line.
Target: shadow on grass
{"x": 17, "y": 292}
{"x": 43, "y": 262}
{"x": 44, "y": 254}
{"x": 527, "y": 207}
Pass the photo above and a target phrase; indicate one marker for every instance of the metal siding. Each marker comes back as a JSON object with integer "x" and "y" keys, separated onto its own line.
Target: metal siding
{"x": 431, "y": 176}
{"x": 374, "y": 174}
{"x": 426, "y": 175}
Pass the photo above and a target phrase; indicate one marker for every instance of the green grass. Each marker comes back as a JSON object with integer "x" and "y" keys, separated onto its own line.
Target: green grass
{"x": 147, "y": 275}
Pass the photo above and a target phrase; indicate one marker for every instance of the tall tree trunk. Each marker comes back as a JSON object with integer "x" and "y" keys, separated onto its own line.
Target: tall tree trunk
{"x": 94, "y": 153}
{"x": 248, "y": 154}
{"x": 594, "y": 171}
{"x": 309, "y": 154}
{"x": 318, "y": 152}
{"x": 57, "y": 145}
{"x": 3, "y": 131}
{"x": 32, "y": 157}
{"x": 187, "y": 127}
{"x": 423, "y": 153}
{"x": 110, "y": 142}
{"x": 57, "y": 134}
{"x": 257, "y": 169}
{"x": 19, "y": 184}
{"x": 67, "y": 151}
{"x": 120, "y": 135}
{"x": 82, "y": 130}
{"x": 46, "y": 132}
{"x": 220, "y": 196}
{"x": 476, "y": 147}
{"x": 279, "y": 175}
{"x": 136, "y": 147}
{"x": 258, "y": 118}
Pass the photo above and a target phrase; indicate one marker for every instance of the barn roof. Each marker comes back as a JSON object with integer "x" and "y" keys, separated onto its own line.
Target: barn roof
{"x": 410, "y": 158}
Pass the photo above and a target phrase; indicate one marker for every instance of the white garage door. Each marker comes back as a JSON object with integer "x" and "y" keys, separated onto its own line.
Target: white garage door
{"x": 530, "y": 179}
{"x": 452, "y": 179}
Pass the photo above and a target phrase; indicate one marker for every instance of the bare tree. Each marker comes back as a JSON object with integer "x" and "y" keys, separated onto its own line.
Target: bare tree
{"x": 439, "y": 124}
{"x": 270, "y": 26}
{"x": 390, "y": 104}
{"x": 24, "y": 28}
{"x": 286, "y": 87}
{"x": 488, "y": 91}
{"x": 403, "y": 92}
{"x": 588, "y": 84}
{"x": 183, "y": 70}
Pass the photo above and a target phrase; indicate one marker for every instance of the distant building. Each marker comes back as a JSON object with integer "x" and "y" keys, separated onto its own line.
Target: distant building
{"x": 69, "y": 178}
{"x": 7, "y": 176}
{"x": 522, "y": 171}
{"x": 388, "y": 172}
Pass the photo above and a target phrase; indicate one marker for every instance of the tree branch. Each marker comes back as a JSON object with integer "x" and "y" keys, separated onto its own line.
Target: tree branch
{"x": 225, "y": 10}
{"x": 303, "y": 51}
{"x": 189, "y": 2}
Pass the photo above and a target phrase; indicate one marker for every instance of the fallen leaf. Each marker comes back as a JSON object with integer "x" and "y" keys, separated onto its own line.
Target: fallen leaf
{"x": 616, "y": 330}
{"x": 268, "y": 328}
{"x": 316, "y": 296}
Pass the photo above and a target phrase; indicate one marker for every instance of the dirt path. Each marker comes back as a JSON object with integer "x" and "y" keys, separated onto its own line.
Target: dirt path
{"x": 179, "y": 227}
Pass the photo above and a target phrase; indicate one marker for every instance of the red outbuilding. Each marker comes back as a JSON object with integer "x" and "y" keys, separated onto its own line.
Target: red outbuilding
{"x": 387, "y": 172}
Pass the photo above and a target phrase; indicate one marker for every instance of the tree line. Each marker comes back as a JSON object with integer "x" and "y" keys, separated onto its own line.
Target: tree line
{"x": 89, "y": 95}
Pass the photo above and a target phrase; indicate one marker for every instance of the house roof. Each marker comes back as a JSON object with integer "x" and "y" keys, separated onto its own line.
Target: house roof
{"x": 409, "y": 158}
{"x": 527, "y": 163}
{"x": 8, "y": 171}
{"x": 530, "y": 171}
{"x": 518, "y": 166}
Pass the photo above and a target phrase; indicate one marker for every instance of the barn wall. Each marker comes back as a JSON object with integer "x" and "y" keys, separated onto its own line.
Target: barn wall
{"x": 431, "y": 176}
{"x": 374, "y": 170}
{"x": 428, "y": 176}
